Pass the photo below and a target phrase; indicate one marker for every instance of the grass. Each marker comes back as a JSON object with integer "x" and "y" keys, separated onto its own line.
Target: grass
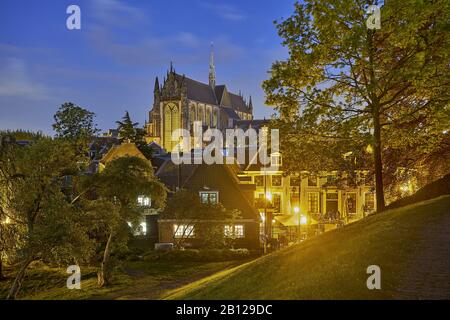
{"x": 330, "y": 266}
{"x": 134, "y": 280}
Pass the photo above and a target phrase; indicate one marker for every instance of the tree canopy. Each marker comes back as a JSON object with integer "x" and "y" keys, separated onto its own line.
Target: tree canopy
{"x": 345, "y": 85}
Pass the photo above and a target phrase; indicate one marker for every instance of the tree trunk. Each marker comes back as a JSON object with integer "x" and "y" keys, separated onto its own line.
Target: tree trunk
{"x": 1, "y": 267}
{"x": 18, "y": 280}
{"x": 376, "y": 125}
{"x": 103, "y": 276}
{"x": 378, "y": 160}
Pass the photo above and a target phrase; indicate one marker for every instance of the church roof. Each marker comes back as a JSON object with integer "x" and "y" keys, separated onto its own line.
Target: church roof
{"x": 203, "y": 92}
{"x": 238, "y": 102}
{"x": 200, "y": 92}
{"x": 231, "y": 113}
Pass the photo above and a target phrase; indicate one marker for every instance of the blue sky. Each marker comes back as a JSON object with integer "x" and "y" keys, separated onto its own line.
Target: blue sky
{"x": 110, "y": 64}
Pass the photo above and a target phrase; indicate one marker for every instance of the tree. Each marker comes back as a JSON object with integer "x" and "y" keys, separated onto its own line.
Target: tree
{"x": 128, "y": 131}
{"x": 345, "y": 83}
{"x": 75, "y": 124}
{"x": 48, "y": 227}
{"x": 8, "y": 177}
{"x": 118, "y": 188}
{"x": 206, "y": 220}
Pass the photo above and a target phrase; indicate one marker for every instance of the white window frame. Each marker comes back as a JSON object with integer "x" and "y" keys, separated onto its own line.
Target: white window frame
{"x": 230, "y": 231}
{"x": 318, "y": 201}
{"x": 208, "y": 192}
{"x": 183, "y": 230}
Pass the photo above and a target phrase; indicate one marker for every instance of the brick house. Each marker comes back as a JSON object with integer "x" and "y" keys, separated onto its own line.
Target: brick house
{"x": 212, "y": 183}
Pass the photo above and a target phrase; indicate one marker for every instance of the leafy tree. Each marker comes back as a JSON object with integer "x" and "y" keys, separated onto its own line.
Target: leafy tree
{"x": 75, "y": 124}
{"x": 206, "y": 220}
{"x": 345, "y": 83}
{"x": 117, "y": 189}
{"x": 47, "y": 227}
{"x": 128, "y": 131}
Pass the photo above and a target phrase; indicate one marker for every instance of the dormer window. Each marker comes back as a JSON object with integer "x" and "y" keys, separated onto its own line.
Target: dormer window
{"x": 209, "y": 197}
{"x": 275, "y": 159}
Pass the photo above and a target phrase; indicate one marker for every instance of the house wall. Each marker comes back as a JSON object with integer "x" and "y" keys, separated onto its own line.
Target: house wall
{"x": 289, "y": 194}
{"x": 166, "y": 229}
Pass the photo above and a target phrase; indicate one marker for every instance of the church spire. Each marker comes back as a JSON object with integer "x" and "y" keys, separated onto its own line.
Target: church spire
{"x": 212, "y": 68}
{"x": 156, "y": 89}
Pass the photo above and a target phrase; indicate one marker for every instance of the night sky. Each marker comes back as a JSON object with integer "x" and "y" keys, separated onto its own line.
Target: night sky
{"x": 110, "y": 64}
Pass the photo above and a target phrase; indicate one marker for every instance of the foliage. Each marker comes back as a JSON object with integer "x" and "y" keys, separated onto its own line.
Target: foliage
{"x": 112, "y": 204}
{"x": 344, "y": 87}
{"x": 74, "y": 123}
{"x": 47, "y": 226}
{"x": 128, "y": 131}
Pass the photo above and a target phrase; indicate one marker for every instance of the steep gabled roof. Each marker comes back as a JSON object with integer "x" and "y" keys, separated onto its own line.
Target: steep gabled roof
{"x": 238, "y": 102}
{"x": 122, "y": 150}
{"x": 230, "y": 113}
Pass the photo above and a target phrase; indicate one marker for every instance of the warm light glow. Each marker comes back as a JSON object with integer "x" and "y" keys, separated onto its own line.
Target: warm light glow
{"x": 303, "y": 220}
{"x": 269, "y": 196}
{"x": 296, "y": 210}
{"x": 407, "y": 187}
{"x": 7, "y": 220}
{"x": 369, "y": 149}
{"x": 263, "y": 217}
{"x": 144, "y": 228}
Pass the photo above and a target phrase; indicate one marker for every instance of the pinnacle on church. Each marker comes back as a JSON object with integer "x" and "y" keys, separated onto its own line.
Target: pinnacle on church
{"x": 212, "y": 68}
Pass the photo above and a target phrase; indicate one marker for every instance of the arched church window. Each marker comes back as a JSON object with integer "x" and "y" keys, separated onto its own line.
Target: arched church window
{"x": 208, "y": 116}
{"x": 171, "y": 123}
{"x": 215, "y": 117}
{"x": 192, "y": 114}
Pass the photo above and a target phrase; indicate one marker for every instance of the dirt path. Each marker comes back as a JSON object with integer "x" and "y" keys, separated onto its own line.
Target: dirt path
{"x": 428, "y": 276}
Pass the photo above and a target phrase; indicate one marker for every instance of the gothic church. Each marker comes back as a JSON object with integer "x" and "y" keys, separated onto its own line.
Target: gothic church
{"x": 180, "y": 101}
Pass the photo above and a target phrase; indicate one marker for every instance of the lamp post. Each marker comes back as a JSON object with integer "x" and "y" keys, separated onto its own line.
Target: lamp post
{"x": 299, "y": 230}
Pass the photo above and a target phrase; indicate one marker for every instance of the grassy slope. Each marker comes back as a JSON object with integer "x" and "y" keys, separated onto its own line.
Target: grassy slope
{"x": 142, "y": 280}
{"x": 330, "y": 266}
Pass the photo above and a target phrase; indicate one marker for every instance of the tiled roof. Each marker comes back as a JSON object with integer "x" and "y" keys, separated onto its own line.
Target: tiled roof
{"x": 122, "y": 150}
{"x": 203, "y": 92}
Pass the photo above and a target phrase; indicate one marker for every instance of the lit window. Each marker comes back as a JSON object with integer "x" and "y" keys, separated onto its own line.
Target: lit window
{"x": 209, "y": 197}
{"x": 294, "y": 181}
{"x": 236, "y": 231}
{"x": 144, "y": 201}
{"x": 351, "y": 203}
{"x": 312, "y": 181}
{"x": 369, "y": 201}
{"x": 183, "y": 231}
{"x": 275, "y": 159}
{"x": 313, "y": 202}
{"x": 259, "y": 181}
{"x": 277, "y": 181}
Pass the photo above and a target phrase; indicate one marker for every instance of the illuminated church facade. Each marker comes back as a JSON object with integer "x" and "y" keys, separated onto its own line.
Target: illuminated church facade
{"x": 179, "y": 101}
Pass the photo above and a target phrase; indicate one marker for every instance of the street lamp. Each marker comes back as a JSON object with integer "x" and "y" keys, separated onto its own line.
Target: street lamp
{"x": 299, "y": 230}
